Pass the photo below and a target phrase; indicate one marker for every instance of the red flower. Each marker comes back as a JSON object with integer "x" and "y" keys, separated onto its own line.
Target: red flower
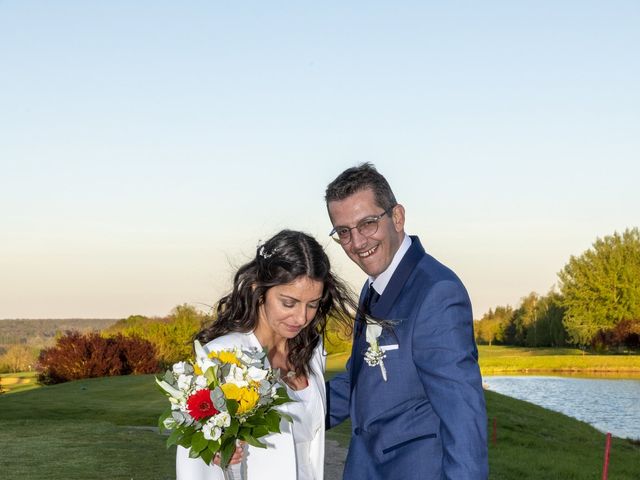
{"x": 200, "y": 405}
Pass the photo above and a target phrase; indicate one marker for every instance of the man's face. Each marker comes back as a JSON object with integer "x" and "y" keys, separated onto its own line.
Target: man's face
{"x": 374, "y": 253}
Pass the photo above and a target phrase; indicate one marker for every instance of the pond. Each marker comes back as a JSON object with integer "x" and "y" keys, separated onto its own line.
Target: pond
{"x": 609, "y": 404}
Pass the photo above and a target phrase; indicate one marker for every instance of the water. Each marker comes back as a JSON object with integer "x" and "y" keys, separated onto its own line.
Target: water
{"x": 610, "y": 405}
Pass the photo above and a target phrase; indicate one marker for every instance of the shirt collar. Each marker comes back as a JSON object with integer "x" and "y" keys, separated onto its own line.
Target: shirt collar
{"x": 380, "y": 282}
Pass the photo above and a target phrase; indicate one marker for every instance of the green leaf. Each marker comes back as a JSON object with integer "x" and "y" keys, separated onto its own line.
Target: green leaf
{"x": 174, "y": 438}
{"x": 273, "y": 420}
{"x": 207, "y": 455}
{"x": 251, "y": 440}
{"x": 166, "y": 414}
{"x": 260, "y": 431}
{"x": 198, "y": 442}
{"x": 226, "y": 452}
{"x": 210, "y": 375}
{"x": 232, "y": 407}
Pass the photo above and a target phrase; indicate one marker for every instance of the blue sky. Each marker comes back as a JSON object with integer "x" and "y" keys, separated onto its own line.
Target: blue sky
{"x": 146, "y": 146}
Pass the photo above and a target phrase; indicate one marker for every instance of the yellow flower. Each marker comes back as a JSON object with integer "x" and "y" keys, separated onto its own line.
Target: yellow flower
{"x": 247, "y": 397}
{"x": 196, "y": 369}
{"x": 226, "y": 357}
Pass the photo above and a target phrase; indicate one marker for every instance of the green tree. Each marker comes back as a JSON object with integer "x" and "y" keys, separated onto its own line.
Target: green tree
{"x": 172, "y": 335}
{"x": 493, "y": 325}
{"x": 601, "y": 287}
{"x": 524, "y": 321}
{"x": 548, "y": 329}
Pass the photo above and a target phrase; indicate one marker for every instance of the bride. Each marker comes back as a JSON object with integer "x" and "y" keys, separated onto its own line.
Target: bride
{"x": 280, "y": 302}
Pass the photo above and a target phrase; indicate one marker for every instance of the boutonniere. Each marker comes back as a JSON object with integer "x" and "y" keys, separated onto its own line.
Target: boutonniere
{"x": 374, "y": 355}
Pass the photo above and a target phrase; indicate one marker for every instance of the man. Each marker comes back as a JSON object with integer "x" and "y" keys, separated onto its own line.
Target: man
{"x": 416, "y": 402}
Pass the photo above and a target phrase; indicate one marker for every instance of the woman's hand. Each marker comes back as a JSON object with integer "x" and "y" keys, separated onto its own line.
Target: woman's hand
{"x": 237, "y": 456}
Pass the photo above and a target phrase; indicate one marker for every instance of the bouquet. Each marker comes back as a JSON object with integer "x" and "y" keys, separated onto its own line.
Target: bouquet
{"x": 219, "y": 398}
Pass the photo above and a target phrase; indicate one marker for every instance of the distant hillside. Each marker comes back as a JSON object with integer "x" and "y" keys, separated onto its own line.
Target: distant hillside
{"x": 42, "y": 332}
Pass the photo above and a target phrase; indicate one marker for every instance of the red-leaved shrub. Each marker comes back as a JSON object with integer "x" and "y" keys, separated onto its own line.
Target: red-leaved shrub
{"x": 77, "y": 356}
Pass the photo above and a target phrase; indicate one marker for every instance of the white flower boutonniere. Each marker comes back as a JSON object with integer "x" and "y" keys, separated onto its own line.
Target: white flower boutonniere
{"x": 374, "y": 355}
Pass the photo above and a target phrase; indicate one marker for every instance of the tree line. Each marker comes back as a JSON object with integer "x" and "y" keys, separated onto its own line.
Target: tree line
{"x": 596, "y": 304}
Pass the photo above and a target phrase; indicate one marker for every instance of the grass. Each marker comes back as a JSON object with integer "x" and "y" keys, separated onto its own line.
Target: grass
{"x": 534, "y": 443}
{"x": 98, "y": 429}
{"x": 82, "y": 430}
{"x": 499, "y": 359}
{"x": 18, "y": 382}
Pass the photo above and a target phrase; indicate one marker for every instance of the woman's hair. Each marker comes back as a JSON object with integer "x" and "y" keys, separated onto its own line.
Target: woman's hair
{"x": 356, "y": 179}
{"x": 281, "y": 260}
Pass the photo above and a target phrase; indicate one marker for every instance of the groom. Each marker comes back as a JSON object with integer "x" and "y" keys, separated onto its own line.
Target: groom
{"x": 416, "y": 402}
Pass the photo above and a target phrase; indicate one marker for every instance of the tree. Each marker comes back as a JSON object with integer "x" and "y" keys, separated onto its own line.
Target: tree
{"x": 494, "y": 325}
{"x": 172, "y": 336}
{"x": 18, "y": 358}
{"x": 549, "y": 327}
{"x": 601, "y": 287}
{"x": 524, "y": 321}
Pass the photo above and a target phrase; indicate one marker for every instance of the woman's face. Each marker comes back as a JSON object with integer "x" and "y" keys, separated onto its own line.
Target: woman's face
{"x": 288, "y": 308}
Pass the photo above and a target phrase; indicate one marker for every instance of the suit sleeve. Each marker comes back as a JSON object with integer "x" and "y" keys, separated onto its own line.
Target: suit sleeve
{"x": 446, "y": 358}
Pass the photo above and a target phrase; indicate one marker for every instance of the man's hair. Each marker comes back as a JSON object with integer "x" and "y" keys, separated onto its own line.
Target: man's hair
{"x": 356, "y": 179}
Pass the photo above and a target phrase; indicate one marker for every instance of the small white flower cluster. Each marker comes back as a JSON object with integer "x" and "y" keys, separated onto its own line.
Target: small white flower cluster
{"x": 374, "y": 355}
{"x": 212, "y": 429}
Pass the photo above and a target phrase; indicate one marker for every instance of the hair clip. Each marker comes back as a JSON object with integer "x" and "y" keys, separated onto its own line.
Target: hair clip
{"x": 264, "y": 254}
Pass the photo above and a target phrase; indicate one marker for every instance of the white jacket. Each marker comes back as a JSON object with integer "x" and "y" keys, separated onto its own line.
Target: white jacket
{"x": 278, "y": 459}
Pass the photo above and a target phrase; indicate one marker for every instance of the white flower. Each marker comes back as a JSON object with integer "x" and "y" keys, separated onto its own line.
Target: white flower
{"x": 257, "y": 374}
{"x": 201, "y": 382}
{"x": 373, "y": 332}
{"x": 202, "y": 358}
{"x": 211, "y": 431}
{"x": 237, "y": 376}
{"x": 374, "y": 356}
{"x": 179, "y": 368}
{"x": 222, "y": 419}
{"x": 184, "y": 382}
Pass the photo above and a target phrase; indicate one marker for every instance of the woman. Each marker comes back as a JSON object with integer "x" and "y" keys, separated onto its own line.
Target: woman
{"x": 280, "y": 302}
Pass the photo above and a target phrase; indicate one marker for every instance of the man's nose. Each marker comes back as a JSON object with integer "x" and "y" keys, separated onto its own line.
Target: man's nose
{"x": 357, "y": 239}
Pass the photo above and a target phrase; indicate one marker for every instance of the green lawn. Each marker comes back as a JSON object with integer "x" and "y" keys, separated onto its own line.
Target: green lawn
{"x": 499, "y": 359}
{"x": 85, "y": 430}
{"x": 18, "y": 382}
{"x": 90, "y": 429}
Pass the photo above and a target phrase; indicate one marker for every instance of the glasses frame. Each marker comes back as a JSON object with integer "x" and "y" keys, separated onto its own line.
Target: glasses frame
{"x": 375, "y": 218}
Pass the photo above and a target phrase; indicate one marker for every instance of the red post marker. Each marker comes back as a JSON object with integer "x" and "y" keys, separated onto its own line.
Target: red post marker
{"x": 494, "y": 431}
{"x": 607, "y": 450}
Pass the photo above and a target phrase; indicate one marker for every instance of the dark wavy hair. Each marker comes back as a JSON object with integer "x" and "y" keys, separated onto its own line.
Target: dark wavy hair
{"x": 282, "y": 259}
{"x": 356, "y": 179}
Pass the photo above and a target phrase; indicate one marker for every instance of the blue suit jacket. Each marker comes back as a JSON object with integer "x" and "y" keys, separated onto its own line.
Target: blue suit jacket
{"x": 428, "y": 420}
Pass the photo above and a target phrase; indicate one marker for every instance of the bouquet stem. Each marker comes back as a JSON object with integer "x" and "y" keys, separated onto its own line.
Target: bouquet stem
{"x": 237, "y": 471}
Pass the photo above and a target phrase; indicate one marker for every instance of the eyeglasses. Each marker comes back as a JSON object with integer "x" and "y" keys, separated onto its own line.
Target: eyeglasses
{"x": 366, "y": 227}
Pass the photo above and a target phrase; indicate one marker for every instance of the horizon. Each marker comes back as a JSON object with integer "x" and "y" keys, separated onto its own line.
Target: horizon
{"x": 147, "y": 147}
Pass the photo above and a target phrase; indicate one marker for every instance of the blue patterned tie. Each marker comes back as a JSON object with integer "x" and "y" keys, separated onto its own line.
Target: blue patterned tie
{"x": 372, "y": 299}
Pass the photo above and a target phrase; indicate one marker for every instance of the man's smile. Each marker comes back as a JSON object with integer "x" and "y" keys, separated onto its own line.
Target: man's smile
{"x": 367, "y": 253}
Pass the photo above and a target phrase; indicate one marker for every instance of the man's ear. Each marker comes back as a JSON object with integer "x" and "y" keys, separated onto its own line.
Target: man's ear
{"x": 397, "y": 215}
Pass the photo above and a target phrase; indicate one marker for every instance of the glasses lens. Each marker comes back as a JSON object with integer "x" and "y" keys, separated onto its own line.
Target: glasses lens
{"x": 368, "y": 226}
{"x": 342, "y": 235}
